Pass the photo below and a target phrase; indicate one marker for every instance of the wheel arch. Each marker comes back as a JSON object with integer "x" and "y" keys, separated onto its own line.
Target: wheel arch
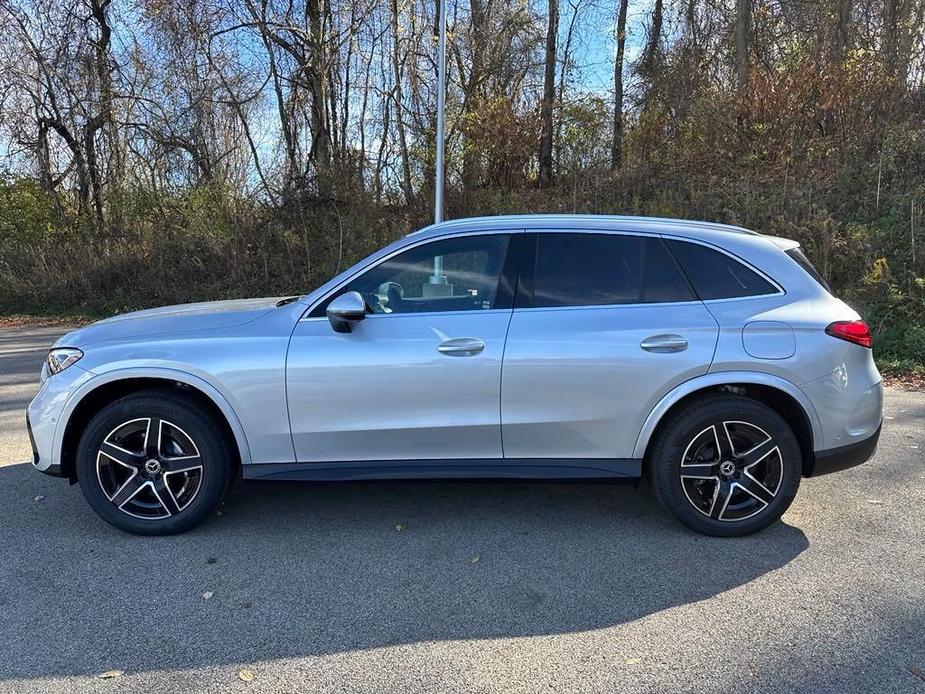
{"x": 106, "y": 388}
{"x": 781, "y": 395}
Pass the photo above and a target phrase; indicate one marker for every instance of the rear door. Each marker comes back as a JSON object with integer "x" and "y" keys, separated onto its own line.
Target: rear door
{"x": 604, "y": 325}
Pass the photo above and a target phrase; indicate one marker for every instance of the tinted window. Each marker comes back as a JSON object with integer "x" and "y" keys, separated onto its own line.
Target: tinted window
{"x": 716, "y": 275}
{"x": 458, "y": 274}
{"x": 601, "y": 269}
{"x": 800, "y": 257}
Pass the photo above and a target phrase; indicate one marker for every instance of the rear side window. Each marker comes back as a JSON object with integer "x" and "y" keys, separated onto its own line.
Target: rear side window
{"x": 716, "y": 275}
{"x": 604, "y": 269}
{"x": 800, "y": 257}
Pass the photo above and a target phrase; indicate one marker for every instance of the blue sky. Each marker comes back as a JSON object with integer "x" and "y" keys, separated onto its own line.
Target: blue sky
{"x": 596, "y": 39}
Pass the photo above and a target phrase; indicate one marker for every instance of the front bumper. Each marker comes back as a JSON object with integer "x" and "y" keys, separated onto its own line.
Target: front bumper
{"x": 844, "y": 457}
{"x": 53, "y": 470}
{"x": 46, "y": 418}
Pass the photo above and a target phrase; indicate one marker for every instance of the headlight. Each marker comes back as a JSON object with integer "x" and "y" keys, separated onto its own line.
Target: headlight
{"x": 60, "y": 358}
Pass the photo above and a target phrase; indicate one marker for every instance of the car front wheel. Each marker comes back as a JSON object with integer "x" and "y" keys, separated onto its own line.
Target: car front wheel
{"x": 725, "y": 465}
{"x": 154, "y": 463}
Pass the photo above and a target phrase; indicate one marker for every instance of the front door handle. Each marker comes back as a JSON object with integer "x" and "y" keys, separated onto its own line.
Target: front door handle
{"x": 664, "y": 343}
{"x": 461, "y": 347}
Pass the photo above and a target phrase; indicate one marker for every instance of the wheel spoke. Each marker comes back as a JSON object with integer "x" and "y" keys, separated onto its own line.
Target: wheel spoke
{"x": 724, "y": 449}
{"x": 165, "y": 496}
{"x": 128, "y": 490}
{"x": 700, "y": 471}
{"x": 186, "y": 463}
{"x": 752, "y": 486}
{"x": 120, "y": 455}
{"x": 720, "y": 499}
{"x": 153, "y": 437}
{"x": 756, "y": 454}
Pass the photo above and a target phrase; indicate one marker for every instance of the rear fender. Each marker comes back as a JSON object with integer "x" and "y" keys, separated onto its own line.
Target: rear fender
{"x": 712, "y": 380}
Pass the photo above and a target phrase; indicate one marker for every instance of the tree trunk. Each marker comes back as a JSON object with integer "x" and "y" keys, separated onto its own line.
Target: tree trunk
{"x": 650, "y": 57}
{"x": 549, "y": 93}
{"x": 398, "y": 98}
{"x": 102, "y": 121}
{"x": 616, "y": 147}
{"x": 843, "y": 30}
{"x": 743, "y": 19}
{"x": 318, "y": 88}
{"x": 474, "y": 87}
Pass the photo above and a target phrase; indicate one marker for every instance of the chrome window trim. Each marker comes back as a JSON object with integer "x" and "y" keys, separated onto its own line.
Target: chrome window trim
{"x": 589, "y": 307}
{"x": 376, "y": 316}
{"x": 557, "y": 230}
{"x": 306, "y": 316}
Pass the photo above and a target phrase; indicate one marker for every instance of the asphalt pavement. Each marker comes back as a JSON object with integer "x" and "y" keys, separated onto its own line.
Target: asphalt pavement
{"x": 462, "y": 587}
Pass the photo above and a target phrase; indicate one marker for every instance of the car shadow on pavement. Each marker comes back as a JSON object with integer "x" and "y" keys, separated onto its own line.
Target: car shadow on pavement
{"x": 300, "y": 570}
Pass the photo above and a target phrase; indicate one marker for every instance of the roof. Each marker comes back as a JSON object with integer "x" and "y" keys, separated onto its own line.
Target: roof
{"x": 584, "y": 221}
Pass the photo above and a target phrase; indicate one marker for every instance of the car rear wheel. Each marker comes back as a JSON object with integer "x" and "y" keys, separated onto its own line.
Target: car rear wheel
{"x": 725, "y": 465}
{"x": 154, "y": 463}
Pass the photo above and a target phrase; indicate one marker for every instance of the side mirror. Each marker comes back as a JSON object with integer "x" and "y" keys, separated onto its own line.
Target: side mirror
{"x": 346, "y": 310}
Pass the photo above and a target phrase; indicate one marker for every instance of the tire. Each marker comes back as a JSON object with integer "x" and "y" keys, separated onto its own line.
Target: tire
{"x": 743, "y": 489}
{"x": 154, "y": 486}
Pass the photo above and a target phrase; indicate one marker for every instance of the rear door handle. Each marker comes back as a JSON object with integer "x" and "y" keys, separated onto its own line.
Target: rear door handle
{"x": 664, "y": 343}
{"x": 461, "y": 347}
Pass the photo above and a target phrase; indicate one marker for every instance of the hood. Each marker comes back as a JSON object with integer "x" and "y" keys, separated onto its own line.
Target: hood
{"x": 207, "y": 315}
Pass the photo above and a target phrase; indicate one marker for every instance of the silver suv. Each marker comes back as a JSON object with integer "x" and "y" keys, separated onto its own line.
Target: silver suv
{"x": 710, "y": 359}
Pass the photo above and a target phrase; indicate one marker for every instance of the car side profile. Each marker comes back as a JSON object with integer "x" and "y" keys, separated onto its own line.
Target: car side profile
{"x": 709, "y": 359}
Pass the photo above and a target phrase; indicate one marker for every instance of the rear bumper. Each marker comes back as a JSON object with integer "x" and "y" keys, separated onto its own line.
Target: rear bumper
{"x": 843, "y": 457}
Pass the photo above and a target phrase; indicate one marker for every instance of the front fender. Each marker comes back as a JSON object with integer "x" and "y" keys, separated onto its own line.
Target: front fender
{"x": 711, "y": 380}
{"x": 200, "y": 384}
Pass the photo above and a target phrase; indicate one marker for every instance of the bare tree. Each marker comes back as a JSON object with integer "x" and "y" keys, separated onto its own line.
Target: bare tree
{"x": 76, "y": 106}
{"x": 616, "y": 148}
{"x": 742, "y": 25}
{"x": 549, "y": 95}
{"x": 398, "y": 99}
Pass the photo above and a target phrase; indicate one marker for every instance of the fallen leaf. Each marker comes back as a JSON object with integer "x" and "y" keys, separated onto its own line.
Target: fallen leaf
{"x": 40, "y": 497}
{"x": 208, "y": 594}
{"x": 110, "y": 674}
{"x": 245, "y": 675}
{"x": 918, "y": 673}
{"x": 633, "y": 661}
{"x": 399, "y": 527}
{"x": 475, "y": 559}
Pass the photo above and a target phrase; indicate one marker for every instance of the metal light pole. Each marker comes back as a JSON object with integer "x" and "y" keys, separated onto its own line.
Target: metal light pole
{"x": 441, "y": 108}
{"x": 438, "y": 278}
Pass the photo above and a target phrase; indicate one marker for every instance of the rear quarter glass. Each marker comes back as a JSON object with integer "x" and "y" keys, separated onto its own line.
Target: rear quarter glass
{"x": 798, "y": 256}
{"x": 716, "y": 275}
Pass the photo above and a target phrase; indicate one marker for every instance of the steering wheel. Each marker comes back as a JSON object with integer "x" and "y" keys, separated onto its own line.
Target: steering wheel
{"x": 374, "y": 303}
{"x": 395, "y": 294}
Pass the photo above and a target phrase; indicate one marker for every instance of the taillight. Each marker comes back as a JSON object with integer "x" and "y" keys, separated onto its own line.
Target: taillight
{"x": 855, "y": 331}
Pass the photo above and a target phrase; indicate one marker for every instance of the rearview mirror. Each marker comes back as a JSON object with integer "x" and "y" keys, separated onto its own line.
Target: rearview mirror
{"x": 346, "y": 310}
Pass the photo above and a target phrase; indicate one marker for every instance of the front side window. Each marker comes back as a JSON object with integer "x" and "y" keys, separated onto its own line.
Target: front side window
{"x": 602, "y": 269}
{"x": 716, "y": 275}
{"x": 457, "y": 274}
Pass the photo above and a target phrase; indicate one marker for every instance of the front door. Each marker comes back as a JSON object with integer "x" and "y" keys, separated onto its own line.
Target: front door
{"x": 419, "y": 378}
{"x": 604, "y": 325}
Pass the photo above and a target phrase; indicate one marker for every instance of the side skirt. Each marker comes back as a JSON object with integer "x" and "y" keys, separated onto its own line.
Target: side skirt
{"x": 577, "y": 469}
